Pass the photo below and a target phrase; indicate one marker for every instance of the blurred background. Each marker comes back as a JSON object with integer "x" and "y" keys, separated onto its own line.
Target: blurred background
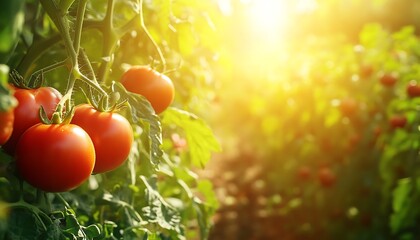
{"x": 319, "y": 133}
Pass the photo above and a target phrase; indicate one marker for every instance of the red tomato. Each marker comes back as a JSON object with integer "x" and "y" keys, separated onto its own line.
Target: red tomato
{"x": 388, "y": 80}
{"x": 111, "y": 134}
{"x": 366, "y": 71}
{"x": 157, "y": 88}
{"x": 413, "y": 90}
{"x": 55, "y": 158}
{"x": 304, "y": 172}
{"x": 6, "y": 125}
{"x": 398, "y": 121}
{"x": 27, "y": 111}
{"x": 326, "y": 177}
{"x": 348, "y": 107}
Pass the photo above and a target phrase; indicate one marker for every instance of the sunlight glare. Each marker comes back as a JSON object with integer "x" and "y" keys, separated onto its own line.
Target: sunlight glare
{"x": 268, "y": 17}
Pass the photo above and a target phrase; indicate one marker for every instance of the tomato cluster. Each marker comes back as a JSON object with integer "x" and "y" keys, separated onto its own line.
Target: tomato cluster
{"x": 60, "y": 156}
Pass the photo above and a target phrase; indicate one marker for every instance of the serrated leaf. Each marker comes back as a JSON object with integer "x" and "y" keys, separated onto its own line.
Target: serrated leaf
{"x": 142, "y": 113}
{"x": 72, "y": 225}
{"x": 200, "y": 138}
{"x": 159, "y": 211}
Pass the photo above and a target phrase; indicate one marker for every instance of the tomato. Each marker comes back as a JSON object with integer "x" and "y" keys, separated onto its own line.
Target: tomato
{"x": 111, "y": 134}
{"x": 27, "y": 111}
{"x": 413, "y": 90}
{"x": 157, "y": 88}
{"x": 56, "y": 157}
{"x": 304, "y": 172}
{"x": 366, "y": 71}
{"x": 398, "y": 121}
{"x": 348, "y": 107}
{"x": 388, "y": 80}
{"x": 6, "y": 125}
{"x": 326, "y": 177}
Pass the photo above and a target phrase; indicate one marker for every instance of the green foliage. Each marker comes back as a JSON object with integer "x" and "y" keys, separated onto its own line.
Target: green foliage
{"x": 82, "y": 48}
{"x": 199, "y": 136}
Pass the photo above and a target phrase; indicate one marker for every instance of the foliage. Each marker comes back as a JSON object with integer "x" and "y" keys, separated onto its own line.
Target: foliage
{"x": 312, "y": 153}
{"x": 82, "y": 48}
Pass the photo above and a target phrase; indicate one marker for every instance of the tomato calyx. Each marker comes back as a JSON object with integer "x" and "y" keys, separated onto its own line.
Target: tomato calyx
{"x": 18, "y": 80}
{"x": 110, "y": 102}
{"x": 60, "y": 116}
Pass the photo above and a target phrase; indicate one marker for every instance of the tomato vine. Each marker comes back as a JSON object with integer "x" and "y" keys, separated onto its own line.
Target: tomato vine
{"x": 153, "y": 193}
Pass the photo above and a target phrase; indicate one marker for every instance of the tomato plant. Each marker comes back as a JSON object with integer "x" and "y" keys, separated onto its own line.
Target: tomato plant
{"x": 26, "y": 113}
{"x": 155, "y": 86}
{"x": 314, "y": 108}
{"x": 111, "y": 134}
{"x": 56, "y": 157}
{"x": 68, "y": 55}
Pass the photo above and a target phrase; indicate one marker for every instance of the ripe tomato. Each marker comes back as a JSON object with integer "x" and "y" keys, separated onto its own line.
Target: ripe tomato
{"x": 388, "y": 80}
{"x": 6, "y": 125}
{"x": 366, "y": 71}
{"x": 304, "y": 172}
{"x": 326, "y": 177}
{"x": 111, "y": 134}
{"x": 56, "y": 157}
{"x": 348, "y": 107}
{"x": 413, "y": 90}
{"x": 27, "y": 111}
{"x": 398, "y": 121}
{"x": 157, "y": 88}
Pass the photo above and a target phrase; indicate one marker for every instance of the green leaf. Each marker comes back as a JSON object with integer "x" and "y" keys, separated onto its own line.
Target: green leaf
{"x": 92, "y": 231}
{"x": 143, "y": 114}
{"x": 405, "y": 200}
{"x": 159, "y": 211}
{"x": 71, "y": 224}
{"x": 7, "y": 101}
{"x": 23, "y": 225}
{"x": 12, "y": 18}
{"x": 200, "y": 138}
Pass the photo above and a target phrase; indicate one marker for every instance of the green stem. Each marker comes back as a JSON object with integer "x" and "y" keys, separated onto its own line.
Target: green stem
{"x": 86, "y": 62}
{"x": 81, "y": 9}
{"x": 65, "y": 5}
{"x": 48, "y": 68}
{"x": 110, "y": 40}
{"x": 143, "y": 26}
{"x": 66, "y": 204}
{"x": 60, "y": 20}
{"x": 91, "y": 83}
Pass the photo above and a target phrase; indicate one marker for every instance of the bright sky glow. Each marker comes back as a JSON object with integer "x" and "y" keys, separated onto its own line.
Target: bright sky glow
{"x": 268, "y": 17}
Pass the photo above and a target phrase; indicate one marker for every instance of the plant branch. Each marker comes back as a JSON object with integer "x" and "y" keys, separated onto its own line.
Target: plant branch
{"x": 110, "y": 39}
{"x": 81, "y": 9}
{"x": 59, "y": 19}
{"x": 143, "y": 26}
